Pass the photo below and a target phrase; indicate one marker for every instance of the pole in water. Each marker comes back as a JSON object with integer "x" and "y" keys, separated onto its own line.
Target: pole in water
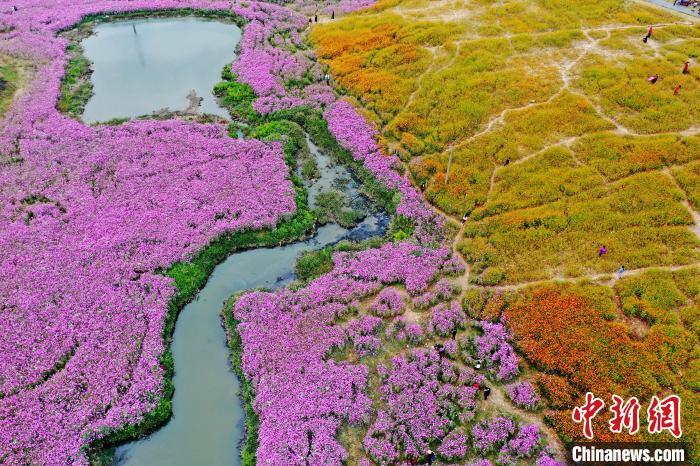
{"x": 133, "y": 26}
{"x": 449, "y": 162}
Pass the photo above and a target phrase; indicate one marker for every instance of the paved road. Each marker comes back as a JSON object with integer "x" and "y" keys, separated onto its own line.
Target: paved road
{"x": 671, "y": 6}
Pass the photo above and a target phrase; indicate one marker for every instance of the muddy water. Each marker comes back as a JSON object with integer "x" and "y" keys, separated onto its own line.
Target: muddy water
{"x": 141, "y": 66}
{"x": 207, "y": 423}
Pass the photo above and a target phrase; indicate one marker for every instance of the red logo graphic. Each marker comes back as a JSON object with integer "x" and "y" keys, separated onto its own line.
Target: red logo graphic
{"x": 625, "y": 415}
{"x": 661, "y": 415}
{"x": 587, "y": 412}
{"x": 665, "y": 415}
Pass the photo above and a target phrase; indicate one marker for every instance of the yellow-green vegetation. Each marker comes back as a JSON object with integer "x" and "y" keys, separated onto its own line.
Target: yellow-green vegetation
{"x": 688, "y": 177}
{"x": 558, "y": 144}
{"x": 8, "y": 85}
{"x": 545, "y": 110}
{"x": 617, "y": 157}
{"x": 640, "y": 219}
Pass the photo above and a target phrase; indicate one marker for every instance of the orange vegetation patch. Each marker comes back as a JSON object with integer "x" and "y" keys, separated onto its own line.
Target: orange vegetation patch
{"x": 563, "y": 335}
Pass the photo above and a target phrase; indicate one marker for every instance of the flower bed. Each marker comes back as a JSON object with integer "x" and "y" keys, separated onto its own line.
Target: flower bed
{"x": 287, "y": 334}
{"x": 446, "y": 318}
{"x": 388, "y": 303}
{"x": 494, "y": 347}
{"x": 523, "y": 394}
{"x": 416, "y": 396}
{"x": 510, "y": 441}
{"x": 89, "y": 216}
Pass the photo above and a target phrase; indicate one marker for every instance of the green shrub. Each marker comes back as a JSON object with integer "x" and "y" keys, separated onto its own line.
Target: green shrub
{"x": 313, "y": 264}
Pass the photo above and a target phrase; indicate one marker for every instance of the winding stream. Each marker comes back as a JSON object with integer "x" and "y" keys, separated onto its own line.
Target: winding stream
{"x": 144, "y": 65}
{"x": 207, "y": 423}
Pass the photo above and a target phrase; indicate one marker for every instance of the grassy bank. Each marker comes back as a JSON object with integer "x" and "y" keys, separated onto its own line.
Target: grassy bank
{"x": 252, "y": 423}
{"x": 8, "y": 85}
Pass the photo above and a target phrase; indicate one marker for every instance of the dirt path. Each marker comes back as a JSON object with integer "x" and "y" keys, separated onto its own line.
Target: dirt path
{"x": 604, "y": 278}
{"x": 695, "y": 228}
{"x": 499, "y": 399}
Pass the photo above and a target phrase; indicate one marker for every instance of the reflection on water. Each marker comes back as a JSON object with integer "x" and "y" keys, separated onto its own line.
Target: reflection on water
{"x": 207, "y": 424}
{"x": 144, "y": 65}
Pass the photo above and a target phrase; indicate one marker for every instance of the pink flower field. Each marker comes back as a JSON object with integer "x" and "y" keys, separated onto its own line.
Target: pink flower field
{"x": 87, "y": 215}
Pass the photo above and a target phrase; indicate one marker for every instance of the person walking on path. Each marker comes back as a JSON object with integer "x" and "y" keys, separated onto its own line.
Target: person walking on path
{"x": 465, "y": 218}
{"x": 621, "y": 271}
{"x": 650, "y": 31}
{"x": 487, "y": 392}
{"x": 676, "y": 89}
{"x": 328, "y": 78}
{"x": 686, "y": 67}
{"x": 440, "y": 350}
{"x": 315, "y": 18}
{"x": 602, "y": 251}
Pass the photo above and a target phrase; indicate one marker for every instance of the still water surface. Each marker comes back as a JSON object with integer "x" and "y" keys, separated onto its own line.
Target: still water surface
{"x": 207, "y": 424}
{"x": 141, "y": 66}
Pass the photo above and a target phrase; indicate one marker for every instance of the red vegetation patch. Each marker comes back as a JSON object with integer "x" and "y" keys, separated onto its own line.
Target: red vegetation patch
{"x": 563, "y": 334}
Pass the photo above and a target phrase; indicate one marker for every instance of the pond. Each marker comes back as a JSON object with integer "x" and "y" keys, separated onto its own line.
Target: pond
{"x": 142, "y": 66}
